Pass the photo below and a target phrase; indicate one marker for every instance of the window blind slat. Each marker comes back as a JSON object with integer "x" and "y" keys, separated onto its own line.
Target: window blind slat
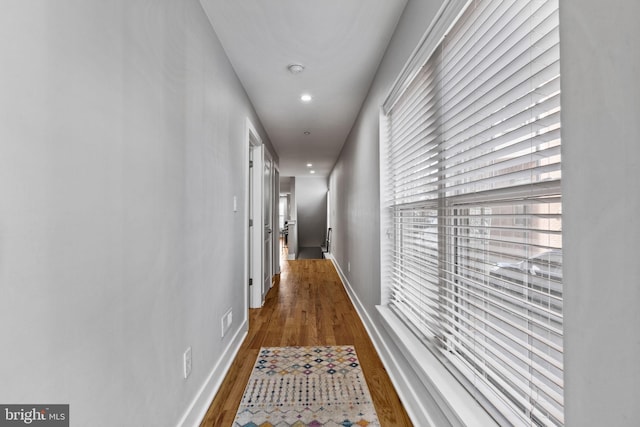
{"x": 503, "y": 61}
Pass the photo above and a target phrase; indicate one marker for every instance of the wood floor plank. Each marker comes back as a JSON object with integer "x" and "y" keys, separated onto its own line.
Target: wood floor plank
{"x": 307, "y": 306}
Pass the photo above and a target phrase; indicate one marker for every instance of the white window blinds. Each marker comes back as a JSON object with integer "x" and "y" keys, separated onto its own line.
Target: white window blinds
{"x": 472, "y": 165}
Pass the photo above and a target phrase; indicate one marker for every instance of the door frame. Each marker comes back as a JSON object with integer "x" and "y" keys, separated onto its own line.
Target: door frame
{"x": 267, "y": 169}
{"x": 276, "y": 219}
{"x": 253, "y": 218}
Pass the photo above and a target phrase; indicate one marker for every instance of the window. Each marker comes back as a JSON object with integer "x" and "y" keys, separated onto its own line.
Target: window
{"x": 472, "y": 205}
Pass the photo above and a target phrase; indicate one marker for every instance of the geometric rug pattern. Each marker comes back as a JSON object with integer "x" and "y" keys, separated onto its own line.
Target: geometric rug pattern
{"x": 306, "y": 387}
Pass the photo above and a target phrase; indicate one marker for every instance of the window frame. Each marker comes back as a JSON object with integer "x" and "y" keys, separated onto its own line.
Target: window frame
{"x": 445, "y": 20}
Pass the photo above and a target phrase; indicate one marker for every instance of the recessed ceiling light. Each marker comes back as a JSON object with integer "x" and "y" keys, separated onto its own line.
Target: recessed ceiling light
{"x": 305, "y": 97}
{"x": 295, "y": 68}
{"x": 312, "y": 171}
{"x": 306, "y": 132}
{"x": 309, "y": 165}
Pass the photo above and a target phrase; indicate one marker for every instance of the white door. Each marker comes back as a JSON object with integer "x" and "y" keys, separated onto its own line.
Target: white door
{"x": 267, "y": 212}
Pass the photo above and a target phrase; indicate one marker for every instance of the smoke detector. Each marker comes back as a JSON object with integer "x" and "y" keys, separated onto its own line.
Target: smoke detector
{"x": 295, "y": 68}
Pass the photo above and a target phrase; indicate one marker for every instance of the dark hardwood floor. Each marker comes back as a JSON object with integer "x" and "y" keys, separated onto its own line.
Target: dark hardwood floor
{"x": 307, "y": 306}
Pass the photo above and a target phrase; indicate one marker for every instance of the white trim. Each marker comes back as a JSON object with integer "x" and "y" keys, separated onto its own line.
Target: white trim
{"x": 246, "y": 235}
{"x": 197, "y": 410}
{"x": 385, "y": 224}
{"x": 276, "y": 220}
{"x": 253, "y": 141}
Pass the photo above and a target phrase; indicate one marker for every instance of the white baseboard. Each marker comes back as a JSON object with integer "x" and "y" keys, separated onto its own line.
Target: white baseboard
{"x": 197, "y": 410}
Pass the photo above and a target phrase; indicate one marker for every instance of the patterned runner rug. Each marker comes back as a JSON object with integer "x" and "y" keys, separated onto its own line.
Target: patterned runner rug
{"x": 306, "y": 386}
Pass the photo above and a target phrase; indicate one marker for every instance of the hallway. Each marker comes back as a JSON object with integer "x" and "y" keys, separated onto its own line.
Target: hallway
{"x": 307, "y": 306}
{"x": 127, "y": 142}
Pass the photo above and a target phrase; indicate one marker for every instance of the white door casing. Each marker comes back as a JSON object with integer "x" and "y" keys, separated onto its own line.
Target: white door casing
{"x": 267, "y": 214}
{"x": 255, "y": 246}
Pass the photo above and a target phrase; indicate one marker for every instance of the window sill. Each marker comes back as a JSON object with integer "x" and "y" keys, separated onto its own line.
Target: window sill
{"x": 455, "y": 402}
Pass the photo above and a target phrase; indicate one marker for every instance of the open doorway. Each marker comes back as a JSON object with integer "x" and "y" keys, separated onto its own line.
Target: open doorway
{"x": 288, "y": 211}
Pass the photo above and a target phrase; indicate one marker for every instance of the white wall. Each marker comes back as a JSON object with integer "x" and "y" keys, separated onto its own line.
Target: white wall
{"x": 601, "y": 161}
{"x": 311, "y": 201}
{"x": 121, "y": 148}
{"x": 601, "y": 130}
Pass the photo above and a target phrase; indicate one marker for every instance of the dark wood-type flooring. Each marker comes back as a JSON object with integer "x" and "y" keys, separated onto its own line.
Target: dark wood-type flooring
{"x": 307, "y": 306}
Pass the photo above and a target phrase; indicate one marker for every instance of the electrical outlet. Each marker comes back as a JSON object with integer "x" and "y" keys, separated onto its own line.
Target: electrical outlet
{"x": 348, "y": 266}
{"x": 187, "y": 362}
{"x": 226, "y": 321}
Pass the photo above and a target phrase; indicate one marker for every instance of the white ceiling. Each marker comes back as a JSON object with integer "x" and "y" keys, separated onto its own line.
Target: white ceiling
{"x": 339, "y": 42}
